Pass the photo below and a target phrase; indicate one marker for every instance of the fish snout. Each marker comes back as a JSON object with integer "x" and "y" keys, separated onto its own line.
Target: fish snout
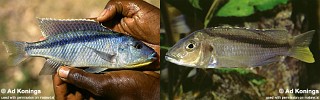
{"x": 171, "y": 58}
{"x": 153, "y": 56}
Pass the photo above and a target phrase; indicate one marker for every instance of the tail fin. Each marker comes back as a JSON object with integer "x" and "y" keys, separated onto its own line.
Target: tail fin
{"x": 16, "y": 50}
{"x": 300, "y": 49}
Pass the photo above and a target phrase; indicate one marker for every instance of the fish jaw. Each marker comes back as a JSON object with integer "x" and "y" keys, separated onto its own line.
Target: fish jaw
{"x": 178, "y": 62}
{"x": 139, "y": 64}
{"x": 149, "y": 60}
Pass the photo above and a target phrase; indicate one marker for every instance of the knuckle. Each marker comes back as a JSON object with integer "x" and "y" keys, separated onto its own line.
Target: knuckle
{"x": 98, "y": 92}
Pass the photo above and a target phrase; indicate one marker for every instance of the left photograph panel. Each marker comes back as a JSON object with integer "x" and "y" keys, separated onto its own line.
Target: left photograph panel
{"x": 102, "y": 49}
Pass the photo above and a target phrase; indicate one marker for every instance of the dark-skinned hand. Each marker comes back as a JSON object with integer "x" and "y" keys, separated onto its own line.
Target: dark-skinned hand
{"x": 135, "y": 18}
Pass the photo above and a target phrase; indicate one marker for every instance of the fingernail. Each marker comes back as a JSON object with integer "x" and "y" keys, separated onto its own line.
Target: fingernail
{"x": 63, "y": 72}
{"x": 42, "y": 38}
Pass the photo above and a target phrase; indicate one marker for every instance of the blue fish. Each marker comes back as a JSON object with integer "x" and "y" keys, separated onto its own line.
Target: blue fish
{"x": 81, "y": 43}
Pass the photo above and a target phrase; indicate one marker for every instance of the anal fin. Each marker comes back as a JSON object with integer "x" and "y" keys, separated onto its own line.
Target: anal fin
{"x": 50, "y": 67}
{"x": 269, "y": 60}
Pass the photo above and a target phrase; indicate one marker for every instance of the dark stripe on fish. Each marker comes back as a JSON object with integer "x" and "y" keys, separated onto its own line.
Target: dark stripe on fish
{"x": 73, "y": 39}
{"x": 244, "y": 39}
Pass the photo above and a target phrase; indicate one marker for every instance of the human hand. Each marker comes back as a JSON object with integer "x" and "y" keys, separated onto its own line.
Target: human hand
{"x": 114, "y": 85}
{"x": 133, "y": 17}
{"x": 136, "y": 18}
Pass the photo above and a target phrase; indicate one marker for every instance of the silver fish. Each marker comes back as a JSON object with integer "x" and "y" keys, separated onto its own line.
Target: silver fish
{"x": 81, "y": 43}
{"x": 239, "y": 47}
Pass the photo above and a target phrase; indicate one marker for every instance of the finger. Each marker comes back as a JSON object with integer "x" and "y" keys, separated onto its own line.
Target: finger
{"x": 108, "y": 13}
{"x": 81, "y": 79}
{"x": 115, "y": 84}
{"x": 144, "y": 26}
{"x": 59, "y": 87}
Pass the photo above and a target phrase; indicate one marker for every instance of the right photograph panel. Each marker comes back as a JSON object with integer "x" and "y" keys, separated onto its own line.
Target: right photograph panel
{"x": 240, "y": 49}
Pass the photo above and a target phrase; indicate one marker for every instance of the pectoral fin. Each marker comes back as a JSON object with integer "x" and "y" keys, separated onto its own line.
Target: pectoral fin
{"x": 105, "y": 56}
{"x": 50, "y": 67}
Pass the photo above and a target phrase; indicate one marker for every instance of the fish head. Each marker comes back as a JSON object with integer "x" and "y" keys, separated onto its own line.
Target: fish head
{"x": 134, "y": 53}
{"x": 189, "y": 51}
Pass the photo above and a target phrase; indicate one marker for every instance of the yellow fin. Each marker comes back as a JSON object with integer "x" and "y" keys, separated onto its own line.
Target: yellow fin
{"x": 300, "y": 47}
{"x": 303, "y": 54}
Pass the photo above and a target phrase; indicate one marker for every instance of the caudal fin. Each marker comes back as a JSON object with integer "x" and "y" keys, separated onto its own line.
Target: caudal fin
{"x": 16, "y": 50}
{"x": 300, "y": 49}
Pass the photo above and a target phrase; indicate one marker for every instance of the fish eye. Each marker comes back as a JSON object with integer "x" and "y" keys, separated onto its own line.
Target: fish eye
{"x": 138, "y": 46}
{"x": 191, "y": 45}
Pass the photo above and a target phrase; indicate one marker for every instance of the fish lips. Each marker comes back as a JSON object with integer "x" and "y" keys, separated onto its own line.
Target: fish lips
{"x": 176, "y": 60}
{"x": 153, "y": 56}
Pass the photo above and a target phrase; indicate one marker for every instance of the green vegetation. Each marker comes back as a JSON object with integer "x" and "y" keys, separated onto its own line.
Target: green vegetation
{"x": 241, "y": 71}
{"x": 195, "y": 4}
{"x": 240, "y": 8}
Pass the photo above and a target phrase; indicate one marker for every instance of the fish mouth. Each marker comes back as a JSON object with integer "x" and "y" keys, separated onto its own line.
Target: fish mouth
{"x": 153, "y": 56}
{"x": 171, "y": 59}
{"x": 178, "y": 62}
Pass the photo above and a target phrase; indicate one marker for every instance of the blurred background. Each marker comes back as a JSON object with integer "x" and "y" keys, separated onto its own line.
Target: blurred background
{"x": 181, "y": 17}
{"x": 18, "y": 23}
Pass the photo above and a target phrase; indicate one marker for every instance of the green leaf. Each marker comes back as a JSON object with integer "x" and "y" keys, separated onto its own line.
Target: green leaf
{"x": 241, "y": 8}
{"x": 195, "y": 4}
{"x": 263, "y": 5}
{"x": 237, "y": 8}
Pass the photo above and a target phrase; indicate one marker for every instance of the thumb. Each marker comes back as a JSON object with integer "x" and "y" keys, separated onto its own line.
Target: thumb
{"x": 107, "y": 14}
{"x": 88, "y": 81}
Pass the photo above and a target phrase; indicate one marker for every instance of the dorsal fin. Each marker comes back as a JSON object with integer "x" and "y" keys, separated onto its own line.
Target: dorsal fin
{"x": 50, "y": 26}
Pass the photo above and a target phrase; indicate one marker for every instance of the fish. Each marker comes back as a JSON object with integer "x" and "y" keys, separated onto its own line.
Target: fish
{"x": 220, "y": 47}
{"x": 81, "y": 43}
